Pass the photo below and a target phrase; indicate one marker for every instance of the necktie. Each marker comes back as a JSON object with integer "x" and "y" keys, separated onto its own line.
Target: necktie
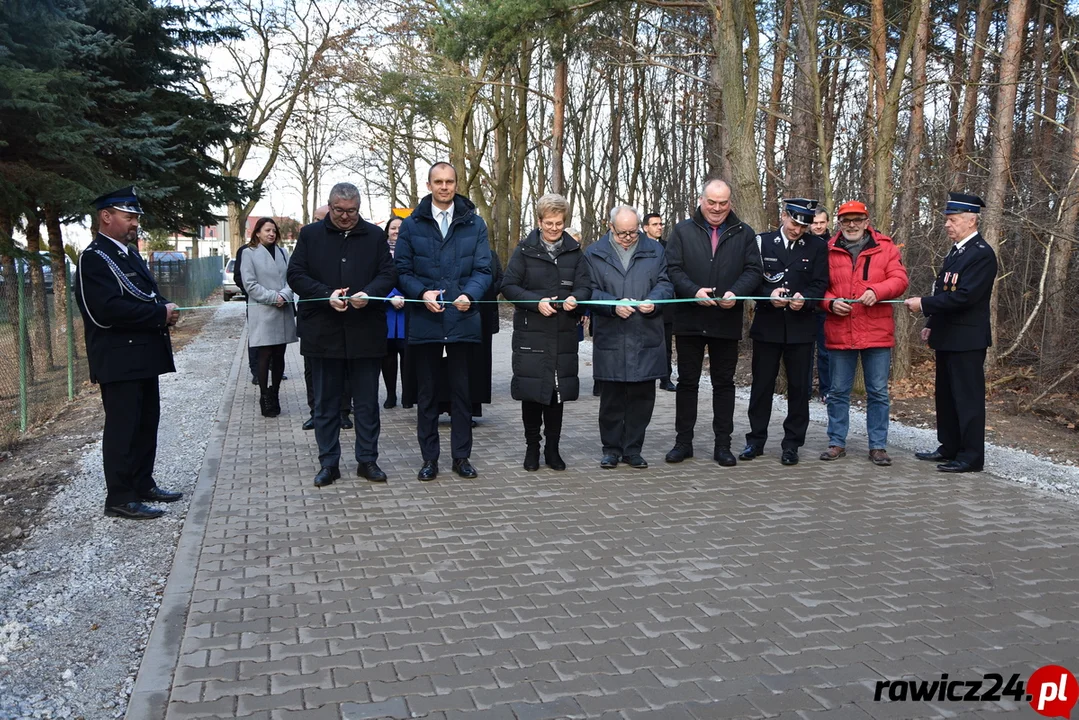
{"x": 715, "y": 239}
{"x": 443, "y": 223}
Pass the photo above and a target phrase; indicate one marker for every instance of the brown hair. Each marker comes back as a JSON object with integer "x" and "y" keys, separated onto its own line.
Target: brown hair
{"x": 254, "y": 241}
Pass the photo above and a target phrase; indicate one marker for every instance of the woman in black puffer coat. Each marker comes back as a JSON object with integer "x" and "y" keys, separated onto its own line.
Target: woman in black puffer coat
{"x": 547, "y": 275}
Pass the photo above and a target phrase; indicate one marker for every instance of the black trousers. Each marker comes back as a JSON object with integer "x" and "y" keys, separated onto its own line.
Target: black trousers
{"x": 538, "y": 415}
{"x": 625, "y": 409}
{"x": 722, "y": 361}
{"x": 328, "y": 376}
{"x": 395, "y": 350}
{"x": 129, "y": 442}
{"x": 308, "y": 381}
{"x": 960, "y": 401}
{"x": 428, "y": 357}
{"x": 797, "y": 358}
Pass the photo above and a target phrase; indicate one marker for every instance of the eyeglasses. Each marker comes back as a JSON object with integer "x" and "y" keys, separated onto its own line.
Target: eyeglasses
{"x": 624, "y": 233}
{"x": 852, "y": 221}
{"x": 344, "y": 211}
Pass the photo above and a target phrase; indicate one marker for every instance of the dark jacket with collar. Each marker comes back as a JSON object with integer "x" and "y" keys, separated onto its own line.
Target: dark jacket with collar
{"x": 958, "y": 310}
{"x": 633, "y": 349}
{"x": 127, "y": 336}
{"x": 458, "y": 264}
{"x": 545, "y": 348}
{"x": 327, "y": 258}
{"x": 735, "y": 267}
{"x": 801, "y": 269}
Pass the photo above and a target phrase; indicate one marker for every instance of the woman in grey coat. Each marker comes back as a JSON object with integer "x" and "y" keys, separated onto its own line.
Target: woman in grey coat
{"x": 271, "y": 322}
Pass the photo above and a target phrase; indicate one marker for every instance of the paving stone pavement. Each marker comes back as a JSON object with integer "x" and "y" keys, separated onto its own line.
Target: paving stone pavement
{"x": 681, "y": 591}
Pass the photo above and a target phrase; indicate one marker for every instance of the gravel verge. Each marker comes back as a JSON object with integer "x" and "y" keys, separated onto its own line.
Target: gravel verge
{"x": 1007, "y": 463}
{"x": 79, "y": 598}
{"x": 1003, "y": 462}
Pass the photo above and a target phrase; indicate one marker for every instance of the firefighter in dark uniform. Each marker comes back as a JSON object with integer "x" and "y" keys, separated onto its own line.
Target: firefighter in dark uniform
{"x": 795, "y": 267}
{"x": 958, "y": 329}
{"x": 126, "y": 322}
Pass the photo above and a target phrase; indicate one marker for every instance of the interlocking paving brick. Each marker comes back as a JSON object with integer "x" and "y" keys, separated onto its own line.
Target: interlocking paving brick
{"x": 683, "y": 591}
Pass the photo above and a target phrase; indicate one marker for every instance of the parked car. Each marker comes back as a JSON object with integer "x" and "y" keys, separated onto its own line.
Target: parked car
{"x": 228, "y": 282}
{"x": 46, "y": 270}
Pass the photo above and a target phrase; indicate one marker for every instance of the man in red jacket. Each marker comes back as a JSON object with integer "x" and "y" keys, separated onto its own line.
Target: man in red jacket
{"x": 864, "y": 267}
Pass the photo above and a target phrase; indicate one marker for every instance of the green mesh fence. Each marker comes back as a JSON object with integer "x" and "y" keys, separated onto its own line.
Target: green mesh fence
{"x": 42, "y": 347}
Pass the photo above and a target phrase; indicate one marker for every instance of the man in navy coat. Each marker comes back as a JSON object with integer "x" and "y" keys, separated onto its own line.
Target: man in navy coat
{"x": 444, "y": 259}
{"x": 127, "y": 323}
{"x": 959, "y": 330}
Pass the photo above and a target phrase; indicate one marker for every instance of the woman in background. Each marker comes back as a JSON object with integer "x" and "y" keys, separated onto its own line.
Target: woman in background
{"x": 396, "y": 335}
{"x": 271, "y": 322}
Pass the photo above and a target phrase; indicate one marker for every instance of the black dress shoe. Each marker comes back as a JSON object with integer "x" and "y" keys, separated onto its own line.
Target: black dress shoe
{"x": 933, "y": 456}
{"x": 637, "y": 462}
{"x": 667, "y": 385}
{"x": 957, "y": 466}
{"x": 679, "y": 453}
{"x": 725, "y": 457}
{"x": 157, "y": 494}
{"x": 789, "y": 457}
{"x": 327, "y": 475}
{"x": 284, "y": 376}
{"x": 308, "y": 424}
{"x": 254, "y": 379}
{"x": 407, "y": 406}
{"x": 371, "y": 471}
{"x": 609, "y": 462}
{"x": 751, "y": 451}
{"x": 390, "y": 403}
{"x": 346, "y": 422}
{"x": 464, "y": 468}
{"x": 134, "y": 511}
{"x": 429, "y": 471}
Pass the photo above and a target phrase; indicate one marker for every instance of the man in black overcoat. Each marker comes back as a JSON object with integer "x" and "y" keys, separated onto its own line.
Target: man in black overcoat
{"x": 127, "y": 323}
{"x": 346, "y": 259}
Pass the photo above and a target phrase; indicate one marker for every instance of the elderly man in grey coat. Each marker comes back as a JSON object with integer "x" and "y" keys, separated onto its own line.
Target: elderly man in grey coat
{"x": 629, "y": 349}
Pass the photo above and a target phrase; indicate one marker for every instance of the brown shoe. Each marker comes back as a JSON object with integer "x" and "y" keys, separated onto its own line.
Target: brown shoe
{"x": 880, "y": 457}
{"x": 834, "y": 452}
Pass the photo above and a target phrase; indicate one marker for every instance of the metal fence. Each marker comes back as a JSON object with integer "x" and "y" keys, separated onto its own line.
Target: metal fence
{"x": 188, "y": 282}
{"x": 42, "y": 346}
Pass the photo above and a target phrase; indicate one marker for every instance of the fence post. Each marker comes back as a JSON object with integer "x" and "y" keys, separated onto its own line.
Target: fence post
{"x": 70, "y": 320}
{"x": 20, "y": 276}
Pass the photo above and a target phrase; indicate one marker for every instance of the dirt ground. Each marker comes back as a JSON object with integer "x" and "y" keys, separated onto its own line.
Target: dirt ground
{"x": 49, "y": 454}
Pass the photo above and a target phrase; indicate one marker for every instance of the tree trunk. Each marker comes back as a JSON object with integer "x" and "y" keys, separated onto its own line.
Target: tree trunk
{"x": 803, "y": 158}
{"x": 237, "y": 219}
{"x": 1001, "y": 146}
{"x": 908, "y": 184}
{"x": 739, "y": 73}
{"x": 964, "y": 138}
{"x": 558, "y": 124}
{"x": 1059, "y": 333}
{"x": 60, "y": 279}
{"x": 775, "y": 95}
{"x": 40, "y": 324}
{"x": 888, "y": 120}
{"x": 7, "y": 265}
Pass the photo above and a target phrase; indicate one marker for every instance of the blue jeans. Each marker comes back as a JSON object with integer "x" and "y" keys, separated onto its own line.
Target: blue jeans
{"x": 876, "y": 363}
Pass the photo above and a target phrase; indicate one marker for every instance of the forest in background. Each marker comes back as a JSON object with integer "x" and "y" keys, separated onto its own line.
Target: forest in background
{"x": 892, "y": 103}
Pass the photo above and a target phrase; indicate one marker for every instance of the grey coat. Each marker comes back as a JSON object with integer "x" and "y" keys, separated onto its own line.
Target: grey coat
{"x": 264, "y": 280}
{"x": 634, "y": 349}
